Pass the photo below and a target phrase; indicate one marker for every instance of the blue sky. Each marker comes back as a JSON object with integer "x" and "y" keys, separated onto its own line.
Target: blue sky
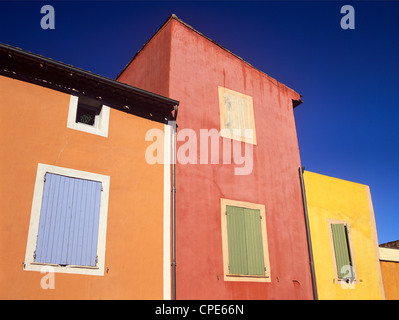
{"x": 348, "y": 124}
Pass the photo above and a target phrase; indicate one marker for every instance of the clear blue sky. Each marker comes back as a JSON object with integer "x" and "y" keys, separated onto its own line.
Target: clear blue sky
{"x": 349, "y": 79}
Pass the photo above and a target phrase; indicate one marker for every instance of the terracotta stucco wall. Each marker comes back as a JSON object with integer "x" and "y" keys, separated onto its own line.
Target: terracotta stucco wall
{"x": 149, "y": 70}
{"x": 196, "y": 68}
{"x": 33, "y": 122}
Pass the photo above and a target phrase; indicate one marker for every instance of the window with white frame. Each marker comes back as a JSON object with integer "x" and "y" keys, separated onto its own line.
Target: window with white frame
{"x": 244, "y": 241}
{"x": 342, "y": 251}
{"x": 68, "y": 221}
{"x": 88, "y": 115}
{"x": 237, "y": 119}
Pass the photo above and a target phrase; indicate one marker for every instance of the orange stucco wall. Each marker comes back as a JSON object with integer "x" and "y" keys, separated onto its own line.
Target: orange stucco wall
{"x": 390, "y": 278}
{"x": 33, "y": 122}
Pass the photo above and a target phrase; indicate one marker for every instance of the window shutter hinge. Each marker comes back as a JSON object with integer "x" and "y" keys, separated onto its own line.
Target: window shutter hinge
{"x": 102, "y": 189}
{"x": 44, "y": 178}
{"x": 34, "y": 255}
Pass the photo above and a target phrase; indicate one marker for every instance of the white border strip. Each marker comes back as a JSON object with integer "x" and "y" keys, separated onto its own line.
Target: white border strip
{"x": 389, "y": 254}
{"x": 166, "y": 214}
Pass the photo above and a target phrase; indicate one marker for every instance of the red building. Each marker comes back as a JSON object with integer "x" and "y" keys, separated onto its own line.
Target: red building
{"x": 240, "y": 221}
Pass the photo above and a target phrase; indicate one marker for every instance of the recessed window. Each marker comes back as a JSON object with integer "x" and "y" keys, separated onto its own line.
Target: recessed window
{"x": 244, "y": 241}
{"x": 236, "y": 116}
{"x": 88, "y": 115}
{"x": 68, "y": 221}
{"x": 342, "y": 251}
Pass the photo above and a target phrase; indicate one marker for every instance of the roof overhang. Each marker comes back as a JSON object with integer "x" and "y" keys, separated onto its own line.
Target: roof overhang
{"x": 26, "y": 66}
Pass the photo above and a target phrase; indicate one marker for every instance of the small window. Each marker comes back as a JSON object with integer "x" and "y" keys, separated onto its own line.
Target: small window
{"x": 88, "y": 115}
{"x": 236, "y": 116}
{"x": 68, "y": 221}
{"x": 245, "y": 251}
{"x": 342, "y": 251}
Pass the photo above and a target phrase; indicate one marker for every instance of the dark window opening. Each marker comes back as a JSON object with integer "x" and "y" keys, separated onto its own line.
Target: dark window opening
{"x": 85, "y": 115}
{"x": 87, "y": 111}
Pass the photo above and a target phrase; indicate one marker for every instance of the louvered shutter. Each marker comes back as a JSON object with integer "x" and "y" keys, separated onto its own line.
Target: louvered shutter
{"x": 236, "y": 241}
{"x": 69, "y": 218}
{"x": 245, "y": 245}
{"x": 256, "y": 262}
{"x": 341, "y": 249}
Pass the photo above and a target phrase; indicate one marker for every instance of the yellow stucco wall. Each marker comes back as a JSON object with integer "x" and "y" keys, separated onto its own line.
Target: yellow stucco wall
{"x": 331, "y": 199}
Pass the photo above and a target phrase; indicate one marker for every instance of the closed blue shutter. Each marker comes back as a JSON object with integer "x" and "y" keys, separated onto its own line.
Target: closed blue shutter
{"x": 69, "y": 217}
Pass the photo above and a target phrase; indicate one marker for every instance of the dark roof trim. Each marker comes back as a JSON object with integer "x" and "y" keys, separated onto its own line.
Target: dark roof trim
{"x": 22, "y": 65}
{"x": 296, "y": 103}
{"x": 391, "y": 245}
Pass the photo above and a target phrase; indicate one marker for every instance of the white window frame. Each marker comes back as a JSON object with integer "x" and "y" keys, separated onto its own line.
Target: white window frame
{"x": 29, "y": 263}
{"x": 248, "y": 134}
{"x": 101, "y": 122}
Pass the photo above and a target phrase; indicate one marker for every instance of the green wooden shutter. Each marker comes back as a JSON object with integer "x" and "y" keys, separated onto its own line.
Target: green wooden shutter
{"x": 256, "y": 262}
{"x": 236, "y": 240}
{"x": 341, "y": 248}
{"x": 245, "y": 245}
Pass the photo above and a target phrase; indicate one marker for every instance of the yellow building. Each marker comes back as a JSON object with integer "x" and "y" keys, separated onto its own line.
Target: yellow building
{"x": 344, "y": 239}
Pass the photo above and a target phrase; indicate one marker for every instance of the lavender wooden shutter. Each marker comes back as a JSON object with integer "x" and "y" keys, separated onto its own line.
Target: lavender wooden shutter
{"x": 69, "y": 217}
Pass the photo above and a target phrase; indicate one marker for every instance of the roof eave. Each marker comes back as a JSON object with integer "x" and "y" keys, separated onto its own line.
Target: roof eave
{"x": 19, "y": 64}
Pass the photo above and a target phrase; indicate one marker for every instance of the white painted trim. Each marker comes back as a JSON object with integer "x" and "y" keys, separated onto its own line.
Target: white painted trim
{"x": 166, "y": 214}
{"x": 101, "y": 121}
{"x": 35, "y": 218}
{"x": 389, "y": 254}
